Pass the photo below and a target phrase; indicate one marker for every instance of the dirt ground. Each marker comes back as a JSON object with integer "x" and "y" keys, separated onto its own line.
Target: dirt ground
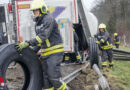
{"x": 85, "y": 81}
{"x": 15, "y": 77}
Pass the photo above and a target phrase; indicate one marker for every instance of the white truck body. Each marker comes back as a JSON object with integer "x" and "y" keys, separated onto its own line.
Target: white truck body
{"x": 64, "y": 11}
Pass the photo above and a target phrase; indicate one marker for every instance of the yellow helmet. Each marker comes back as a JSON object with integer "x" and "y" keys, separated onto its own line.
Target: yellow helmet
{"x": 102, "y": 25}
{"x": 115, "y": 34}
{"x": 39, "y": 4}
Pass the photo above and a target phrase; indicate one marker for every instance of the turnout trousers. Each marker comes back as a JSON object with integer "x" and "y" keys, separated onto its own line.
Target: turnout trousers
{"x": 51, "y": 70}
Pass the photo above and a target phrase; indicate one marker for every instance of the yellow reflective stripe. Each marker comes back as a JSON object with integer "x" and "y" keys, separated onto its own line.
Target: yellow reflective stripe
{"x": 97, "y": 42}
{"x": 117, "y": 42}
{"x": 52, "y": 48}
{"x": 108, "y": 43}
{"x": 52, "y": 52}
{"x": 38, "y": 44}
{"x": 78, "y": 57}
{"x": 67, "y": 58}
{"x": 106, "y": 47}
{"x": 73, "y": 29}
{"x": 111, "y": 63}
{"x": 48, "y": 43}
{"x": 38, "y": 39}
{"x": 104, "y": 63}
{"x": 49, "y": 88}
{"x": 62, "y": 87}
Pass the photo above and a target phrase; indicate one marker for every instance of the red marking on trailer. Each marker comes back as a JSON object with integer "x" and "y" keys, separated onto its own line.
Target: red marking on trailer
{"x": 75, "y": 11}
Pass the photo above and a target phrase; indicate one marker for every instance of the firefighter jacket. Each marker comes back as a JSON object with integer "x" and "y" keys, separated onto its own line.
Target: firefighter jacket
{"x": 104, "y": 41}
{"x": 116, "y": 40}
{"x": 48, "y": 36}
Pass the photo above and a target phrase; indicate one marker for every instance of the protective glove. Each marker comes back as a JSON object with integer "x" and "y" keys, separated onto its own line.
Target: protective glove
{"x": 102, "y": 41}
{"x": 22, "y": 45}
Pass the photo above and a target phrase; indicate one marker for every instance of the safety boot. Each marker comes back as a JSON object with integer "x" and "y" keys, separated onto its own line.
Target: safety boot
{"x": 111, "y": 64}
{"x": 104, "y": 64}
{"x": 78, "y": 59}
{"x": 67, "y": 59}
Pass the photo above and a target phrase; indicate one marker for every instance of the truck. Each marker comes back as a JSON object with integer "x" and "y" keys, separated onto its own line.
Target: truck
{"x": 68, "y": 13}
{"x": 4, "y": 22}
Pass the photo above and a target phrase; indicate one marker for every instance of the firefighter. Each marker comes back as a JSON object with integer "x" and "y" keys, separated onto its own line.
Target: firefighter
{"x": 105, "y": 45}
{"x": 76, "y": 50}
{"x": 76, "y": 47}
{"x": 116, "y": 40}
{"x": 51, "y": 46}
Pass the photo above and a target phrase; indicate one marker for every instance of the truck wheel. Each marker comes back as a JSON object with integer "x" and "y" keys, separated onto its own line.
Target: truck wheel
{"x": 93, "y": 52}
{"x": 29, "y": 63}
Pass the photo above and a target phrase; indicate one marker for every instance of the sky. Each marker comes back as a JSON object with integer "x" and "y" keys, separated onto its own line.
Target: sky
{"x": 4, "y": 1}
{"x": 88, "y": 3}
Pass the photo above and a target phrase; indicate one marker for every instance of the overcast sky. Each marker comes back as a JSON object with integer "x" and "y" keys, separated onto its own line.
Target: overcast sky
{"x": 89, "y": 3}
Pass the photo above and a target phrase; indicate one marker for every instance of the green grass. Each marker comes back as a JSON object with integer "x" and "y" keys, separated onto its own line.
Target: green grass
{"x": 124, "y": 48}
{"x": 119, "y": 76}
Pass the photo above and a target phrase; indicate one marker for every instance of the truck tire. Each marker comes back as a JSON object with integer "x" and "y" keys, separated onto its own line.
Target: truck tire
{"x": 29, "y": 63}
{"x": 93, "y": 52}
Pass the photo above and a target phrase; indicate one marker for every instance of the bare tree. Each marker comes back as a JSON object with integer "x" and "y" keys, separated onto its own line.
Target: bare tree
{"x": 116, "y": 15}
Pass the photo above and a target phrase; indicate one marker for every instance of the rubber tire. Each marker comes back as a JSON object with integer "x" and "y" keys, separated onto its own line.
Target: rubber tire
{"x": 93, "y": 52}
{"x": 29, "y": 62}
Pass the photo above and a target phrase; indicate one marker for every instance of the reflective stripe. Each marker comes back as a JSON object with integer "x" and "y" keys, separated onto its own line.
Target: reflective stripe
{"x": 117, "y": 42}
{"x": 73, "y": 29}
{"x": 67, "y": 58}
{"x": 48, "y": 43}
{"x": 97, "y": 42}
{"x": 62, "y": 87}
{"x": 78, "y": 57}
{"x": 52, "y": 48}
{"x": 49, "y": 88}
{"x": 107, "y": 47}
{"x": 38, "y": 39}
{"x": 104, "y": 63}
{"x": 38, "y": 44}
{"x": 52, "y": 52}
{"x": 108, "y": 43}
{"x": 111, "y": 63}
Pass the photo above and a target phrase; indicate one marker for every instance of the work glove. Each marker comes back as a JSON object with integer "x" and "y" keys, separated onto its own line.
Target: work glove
{"x": 22, "y": 45}
{"x": 102, "y": 41}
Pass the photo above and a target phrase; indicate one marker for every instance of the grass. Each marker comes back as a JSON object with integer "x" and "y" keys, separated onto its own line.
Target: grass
{"x": 124, "y": 48}
{"x": 119, "y": 76}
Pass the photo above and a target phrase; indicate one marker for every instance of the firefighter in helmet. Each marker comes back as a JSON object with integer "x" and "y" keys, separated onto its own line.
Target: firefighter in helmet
{"x": 105, "y": 45}
{"x": 51, "y": 46}
{"x": 116, "y": 40}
